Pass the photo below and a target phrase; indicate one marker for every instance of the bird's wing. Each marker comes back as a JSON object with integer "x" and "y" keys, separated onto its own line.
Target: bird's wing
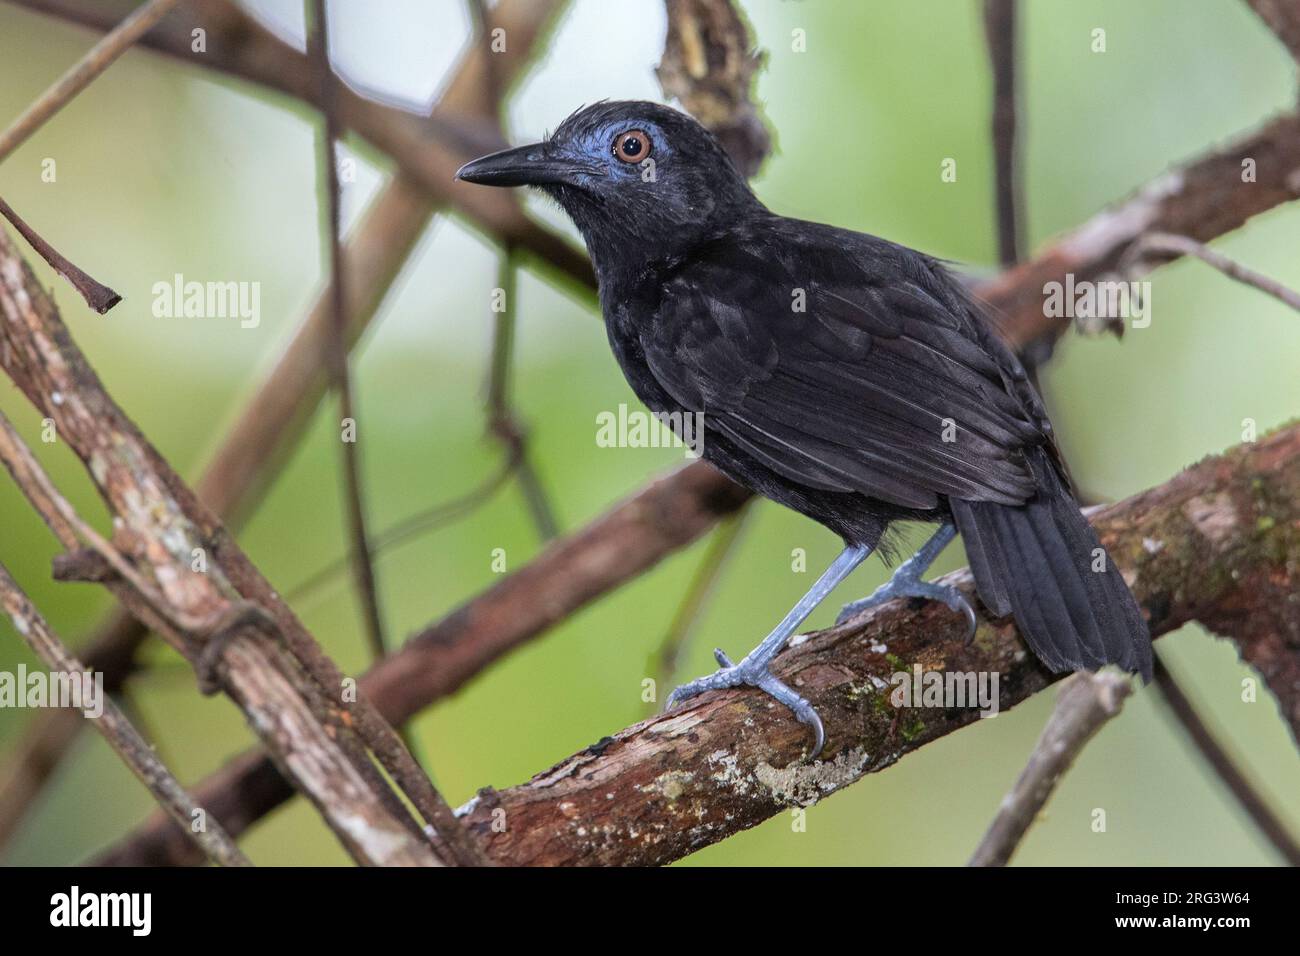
{"x": 847, "y": 369}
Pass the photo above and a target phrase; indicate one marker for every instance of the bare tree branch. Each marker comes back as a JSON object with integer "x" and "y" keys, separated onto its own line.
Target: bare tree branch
{"x": 192, "y": 572}
{"x": 1162, "y": 244}
{"x": 407, "y": 529}
{"x": 1001, "y": 33}
{"x": 1215, "y": 544}
{"x": 275, "y": 418}
{"x": 1202, "y": 199}
{"x": 503, "y": 420}
{"x": 428, "y": 150}
{"x": 82, "y": 74}
{"x": 135, "y": 752}
{"x": 1084, "y": 704}
{"x": 569, "y": 574}
{"x": 97, "y": 295}
{"x": 363, "y": 567}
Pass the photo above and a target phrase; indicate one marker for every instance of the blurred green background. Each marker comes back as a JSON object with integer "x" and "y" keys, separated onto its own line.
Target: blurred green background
{"x": 164, "y": 168}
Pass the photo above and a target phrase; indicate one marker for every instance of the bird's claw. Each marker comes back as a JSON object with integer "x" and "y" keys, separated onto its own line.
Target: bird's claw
{"x": 753, "y": 673}
{"x": 904, "y": 586}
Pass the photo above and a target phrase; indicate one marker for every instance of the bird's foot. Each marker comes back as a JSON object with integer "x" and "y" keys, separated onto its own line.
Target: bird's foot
{"x": 906, "y": 583}
{"x": 752, "y": 671}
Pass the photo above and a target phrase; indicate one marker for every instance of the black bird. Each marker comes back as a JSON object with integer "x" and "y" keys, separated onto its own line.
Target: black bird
{"x": 844, "y": 376}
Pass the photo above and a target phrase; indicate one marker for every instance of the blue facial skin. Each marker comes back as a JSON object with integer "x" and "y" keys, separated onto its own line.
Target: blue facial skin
{"x": 595, "y": 149}
{"x": 662, "y": 206}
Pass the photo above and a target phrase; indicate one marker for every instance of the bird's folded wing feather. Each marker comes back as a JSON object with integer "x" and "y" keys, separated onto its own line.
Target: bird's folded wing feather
{"x": 875, "y": 380}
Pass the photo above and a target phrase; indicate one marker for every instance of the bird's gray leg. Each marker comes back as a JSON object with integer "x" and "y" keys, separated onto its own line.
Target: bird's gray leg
{"x": 906, "y": 582}
{"x": 753, "y": 669}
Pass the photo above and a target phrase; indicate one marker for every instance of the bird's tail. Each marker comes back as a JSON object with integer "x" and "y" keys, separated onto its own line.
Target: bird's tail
{"x": 1042, "y": 563}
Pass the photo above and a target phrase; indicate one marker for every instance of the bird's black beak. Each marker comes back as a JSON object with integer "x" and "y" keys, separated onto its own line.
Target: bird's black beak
{"x": 533, "y": 165}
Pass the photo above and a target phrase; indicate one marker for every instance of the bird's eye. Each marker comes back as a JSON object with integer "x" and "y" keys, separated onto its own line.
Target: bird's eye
{"x": 632, "y": 146}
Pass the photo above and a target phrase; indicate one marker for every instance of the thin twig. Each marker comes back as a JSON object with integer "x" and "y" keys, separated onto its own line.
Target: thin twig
{"x": 129, "y": 705}
{"x": 1203, "y": 199}
{"x": 394, "y": 753}
{"x": 1085, "y": 703}
{"x": 492, "y": 86}
{"x": 1273, "y": 829}
{"x": 430, "y": 519}
{"x": 97, "y": 295}
{"x": 1166, "y": 244}
{"x": 1001, "y": 34}
{"x": 117, "y": 729}
{"x": 101, "y": 56}
{"x": 425, "y": 148}
{"x": 503, "y": 424}
{"x": 363, "y": 567}
{"x": 665, "y": 660}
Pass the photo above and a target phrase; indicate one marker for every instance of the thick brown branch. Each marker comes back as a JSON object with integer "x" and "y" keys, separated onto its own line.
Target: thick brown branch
{"x": 1218, "y": 544}
{"x": 1201, "y": 200}
{"x": 571, "y": 573}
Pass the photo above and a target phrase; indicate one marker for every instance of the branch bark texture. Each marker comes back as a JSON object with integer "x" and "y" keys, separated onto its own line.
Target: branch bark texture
{"x": 262, "y": 437}
{"x": 159, "y": 527}
{"x": 1218, "y": 544}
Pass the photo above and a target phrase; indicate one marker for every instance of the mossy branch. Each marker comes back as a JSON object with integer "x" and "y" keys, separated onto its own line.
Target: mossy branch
{"x": 1218, "y": 544}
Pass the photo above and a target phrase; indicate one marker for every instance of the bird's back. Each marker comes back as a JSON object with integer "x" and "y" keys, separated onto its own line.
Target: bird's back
{"x": 843, "y": 375}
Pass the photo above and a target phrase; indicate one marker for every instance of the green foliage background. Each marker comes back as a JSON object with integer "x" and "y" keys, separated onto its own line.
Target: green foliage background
{"x": 165, "y": 169}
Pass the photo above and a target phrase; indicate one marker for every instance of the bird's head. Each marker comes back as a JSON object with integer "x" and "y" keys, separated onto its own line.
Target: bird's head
{"x": 641, "y": 181}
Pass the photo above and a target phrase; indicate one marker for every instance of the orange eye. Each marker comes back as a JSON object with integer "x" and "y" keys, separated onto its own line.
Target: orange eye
{"x": 632, "y": 146}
